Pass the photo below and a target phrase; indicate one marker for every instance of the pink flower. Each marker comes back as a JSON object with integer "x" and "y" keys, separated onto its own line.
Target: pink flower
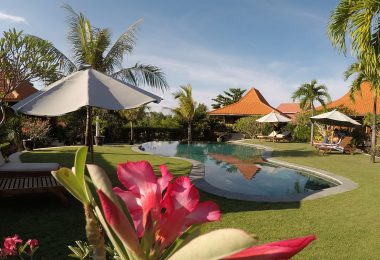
{"x": 10, "y": 245}
{"x": 284, "y": 249}
{"x": 32, "y": 243}
{"x": 171, "y": 213}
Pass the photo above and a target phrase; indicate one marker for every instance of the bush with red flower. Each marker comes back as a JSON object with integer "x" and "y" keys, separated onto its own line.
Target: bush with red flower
{"x": 13, "y": 247}
{"x": 35, "y": 128}
{"x": 158, "y": 218}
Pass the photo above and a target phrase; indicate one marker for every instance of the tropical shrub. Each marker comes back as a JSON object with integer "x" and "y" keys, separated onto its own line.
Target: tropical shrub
{"x": 13, "y": 247}
{"x": 152, "y": 218}
{"x": 251, "y": 128}
{"x": 35, "y": 128}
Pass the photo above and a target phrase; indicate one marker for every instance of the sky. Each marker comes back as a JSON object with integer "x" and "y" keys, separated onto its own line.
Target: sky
{"x": 272, "y": 45}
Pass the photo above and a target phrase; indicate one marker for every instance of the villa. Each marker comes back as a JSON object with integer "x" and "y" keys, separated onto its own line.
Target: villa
{"x": 251, "y": 104}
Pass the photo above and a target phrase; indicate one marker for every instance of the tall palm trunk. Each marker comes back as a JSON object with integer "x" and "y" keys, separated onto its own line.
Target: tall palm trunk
{"x": 131, "y": 141}
{"x": 312, "y": 126}
{"x": 88, "y": 136}
{"x": 189, "y": 132}
{"x": 373, "y": 136}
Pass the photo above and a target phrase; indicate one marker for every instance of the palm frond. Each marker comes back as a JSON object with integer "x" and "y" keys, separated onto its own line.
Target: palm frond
{"x": 123, "y": 45}
{"x": 149, "y": 75}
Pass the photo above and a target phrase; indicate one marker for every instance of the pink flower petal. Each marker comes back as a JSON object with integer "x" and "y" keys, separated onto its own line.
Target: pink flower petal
{"x": 184, "y": 194}
{"x": 204, "y": 212}
{"x": 140, "y": 179}
{"x": 133, "y": 204}
{"x": 119, "y": 223}
{"x": 284, "y": 249}
{"x": 136, "y": 176}
{"x": 171, "y": 226}
{"x": 165, "y": 179}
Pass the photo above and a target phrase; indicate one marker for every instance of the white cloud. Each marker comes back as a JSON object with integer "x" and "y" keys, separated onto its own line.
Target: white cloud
{"x": 12, "y": 18}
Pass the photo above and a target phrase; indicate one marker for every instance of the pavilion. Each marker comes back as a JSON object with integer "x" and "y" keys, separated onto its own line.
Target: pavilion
{"x": 362, "y": 103}
{"x": 251, "y": 104}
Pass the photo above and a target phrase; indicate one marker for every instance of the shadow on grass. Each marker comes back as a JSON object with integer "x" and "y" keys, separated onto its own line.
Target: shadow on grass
{"x": 294, "y": 153}
{"x": 230, "y": 205}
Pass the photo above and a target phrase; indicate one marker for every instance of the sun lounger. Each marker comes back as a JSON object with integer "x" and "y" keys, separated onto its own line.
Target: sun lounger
{"x": 284, "y": 136}
{"x": 22, "y": 178}
{"x": 342, "y": 146}
{"x": 267, "y": 137}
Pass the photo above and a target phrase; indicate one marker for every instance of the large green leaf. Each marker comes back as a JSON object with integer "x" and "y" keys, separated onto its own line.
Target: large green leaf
{"x": 215, "y": 245}
{"x": 69, "y": 180}
{"x": 79, "y": 166}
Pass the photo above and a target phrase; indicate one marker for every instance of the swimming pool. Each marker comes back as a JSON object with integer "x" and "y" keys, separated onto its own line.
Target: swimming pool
{"x": 241, "y": 169}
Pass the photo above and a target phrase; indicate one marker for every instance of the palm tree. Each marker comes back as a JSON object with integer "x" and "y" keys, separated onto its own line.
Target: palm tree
{"x": 186, "y": 108}
{"x": 359, "y": 22}
{"x": 92, "y": 46}
{"x": 132, "y": 115}
{"x": 308, "y": 94}
{"x": 358, "y": 71}
{"x": 232, "y": 95}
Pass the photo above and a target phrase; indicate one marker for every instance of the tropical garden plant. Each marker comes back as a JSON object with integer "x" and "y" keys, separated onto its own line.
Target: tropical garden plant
{"x": 35, "y": 128}
{"x": 186, "y": 107}
{"x": 357, "y": 23}
{"x": 152, "y": 218}
{"x": 132, "y": 115}
{"x": 232, "y": 95}
{"x": 24, "y": 59}
{"x": 250, "y": 127}
{"x": 308, "y": 94}
{"x": 13, "y": 247}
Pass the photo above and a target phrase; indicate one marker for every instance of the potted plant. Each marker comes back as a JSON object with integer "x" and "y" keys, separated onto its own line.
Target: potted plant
{"x": 34, "y": 129}
{"x": 100, "y": 127}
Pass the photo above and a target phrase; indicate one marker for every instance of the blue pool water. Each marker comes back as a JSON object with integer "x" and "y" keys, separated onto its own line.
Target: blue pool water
{"x": 241, "y": 169}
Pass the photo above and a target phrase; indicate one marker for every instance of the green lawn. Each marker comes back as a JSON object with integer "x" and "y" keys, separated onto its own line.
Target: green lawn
{"x": 346, "y": 225}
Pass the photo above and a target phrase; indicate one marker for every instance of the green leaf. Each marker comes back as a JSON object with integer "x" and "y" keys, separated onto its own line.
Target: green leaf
{"x": 80, "y": 164}
{"x": 185, "y": 238}
{"x": 69, "y": 180}
{"x": 215, "y": 245}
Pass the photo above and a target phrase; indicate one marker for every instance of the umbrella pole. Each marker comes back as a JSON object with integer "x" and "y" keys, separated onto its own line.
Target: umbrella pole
{"x": 89, "y": 137}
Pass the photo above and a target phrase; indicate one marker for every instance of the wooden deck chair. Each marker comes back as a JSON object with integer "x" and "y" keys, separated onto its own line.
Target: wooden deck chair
{"x": 342, "y": 147}
{"x": 267, "y": 137}
{"x": 25, "y": 178}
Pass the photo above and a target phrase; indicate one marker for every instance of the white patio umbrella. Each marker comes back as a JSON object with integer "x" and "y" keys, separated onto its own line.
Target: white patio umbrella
{"x": 335, "y": 118}
{"x": 273, "y": 117}
{"x": 84, "y": 88}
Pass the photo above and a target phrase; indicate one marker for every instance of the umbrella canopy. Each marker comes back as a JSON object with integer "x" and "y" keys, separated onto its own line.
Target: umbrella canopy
{"x": 87, "y": 87}
{"x": 84, "y": 88}
{"x": 273, "y": 117}
{"x": 335, "y": 118}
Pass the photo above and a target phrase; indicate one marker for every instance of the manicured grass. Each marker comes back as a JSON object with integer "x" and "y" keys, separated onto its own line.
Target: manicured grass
{"x": 346, "y": 225}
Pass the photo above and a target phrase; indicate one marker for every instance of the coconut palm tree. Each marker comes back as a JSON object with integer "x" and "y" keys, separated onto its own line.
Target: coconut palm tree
{"x": 132, "y": 115}
{"x": 358, "y": 70}
{"x": 92, "y": 46}
{"x": 186, "y": 108}
{"x": 358, "y": 22}
{"x": 232, "y": 95}
{"x": 308, "y": 94}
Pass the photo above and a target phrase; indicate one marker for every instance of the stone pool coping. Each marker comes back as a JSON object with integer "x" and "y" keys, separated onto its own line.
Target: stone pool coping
{"x": 197, "y": 174}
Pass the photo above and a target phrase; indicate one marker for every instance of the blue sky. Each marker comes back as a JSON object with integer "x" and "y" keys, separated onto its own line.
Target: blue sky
{"x": 272, "y": 45}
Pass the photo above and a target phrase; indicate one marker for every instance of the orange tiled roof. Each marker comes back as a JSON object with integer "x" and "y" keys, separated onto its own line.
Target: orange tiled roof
{"x": 23, "y": 91}
{"x": 363, "y": 101}
{"x": 248, "y": 169}
{"x": 253, "y": 103}
{"x": 289, "y": 108}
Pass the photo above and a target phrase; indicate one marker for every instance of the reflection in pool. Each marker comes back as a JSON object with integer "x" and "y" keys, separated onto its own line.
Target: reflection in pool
{"x": 241, "y": 169}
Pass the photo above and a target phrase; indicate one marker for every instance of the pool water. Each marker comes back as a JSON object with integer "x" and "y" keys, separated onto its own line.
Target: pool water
{"x": 241, "y": 169}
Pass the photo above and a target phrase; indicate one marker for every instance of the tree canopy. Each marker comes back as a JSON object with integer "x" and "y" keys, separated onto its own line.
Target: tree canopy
{"x": 232, "y": 95}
